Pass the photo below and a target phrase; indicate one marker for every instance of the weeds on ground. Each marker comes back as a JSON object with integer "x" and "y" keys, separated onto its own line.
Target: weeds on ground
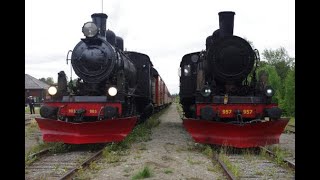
{"x": 113, "y": 152}
{"x": 168, "y": 171}
{"x": 31, "y": 128}
{"x": 144, "y": 173}
{"x": 88, "y": 173}
{"x": 292, "y": 121}
{"x": 279, "y": 155}
{"x": 53, "y": 148}
{"x": 141, "y": 133}
{"x": 192, "y": 162}
{"x": 180, "y": 109}
{"x": 233, "y": 168}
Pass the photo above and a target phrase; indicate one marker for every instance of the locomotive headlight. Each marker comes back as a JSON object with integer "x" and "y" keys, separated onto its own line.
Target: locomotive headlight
{"x": 206, "y": 91}
{"x": 269, "y": 92}
{"x": 89, "y": 29}
{"x": 112, "y": 91}
{"x": 52, "y": 90}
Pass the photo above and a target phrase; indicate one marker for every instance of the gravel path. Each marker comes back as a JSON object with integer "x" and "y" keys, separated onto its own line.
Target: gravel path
{"x": 168, "y": 155}
{"x": 32, "y": 133}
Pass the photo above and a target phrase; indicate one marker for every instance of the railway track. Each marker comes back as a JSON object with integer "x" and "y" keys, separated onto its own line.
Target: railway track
{"x": 284, "y": 160}
{"x": 253, "y": 166}
{"x": 60, "y": 166}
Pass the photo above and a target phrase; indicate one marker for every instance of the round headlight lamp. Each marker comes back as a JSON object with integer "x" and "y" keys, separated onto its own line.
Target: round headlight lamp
{"x": 89, "y": 29}
{"x": 206, "y": 91}
{"x": 112, "y": 91}
{"x": 52, "y": 90}
{"x": 269, "y": 91}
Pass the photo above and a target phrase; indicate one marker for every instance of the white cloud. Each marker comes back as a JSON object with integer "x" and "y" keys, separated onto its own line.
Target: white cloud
{"x": 164, "y": 30}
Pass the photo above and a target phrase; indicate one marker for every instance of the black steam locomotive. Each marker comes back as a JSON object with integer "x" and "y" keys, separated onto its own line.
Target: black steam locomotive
{"x": 115, "y": 89}
{"x": 222, "y": 98}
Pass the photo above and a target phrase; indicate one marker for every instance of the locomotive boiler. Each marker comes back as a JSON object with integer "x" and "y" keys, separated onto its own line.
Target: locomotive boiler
{"x": 115, "y": 90}
{"x": 223, "y": 100}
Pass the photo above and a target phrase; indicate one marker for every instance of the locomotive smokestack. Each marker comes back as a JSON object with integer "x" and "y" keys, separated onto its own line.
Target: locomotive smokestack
{"x": 100, "y": 19}
{"x": 226, "y": 19}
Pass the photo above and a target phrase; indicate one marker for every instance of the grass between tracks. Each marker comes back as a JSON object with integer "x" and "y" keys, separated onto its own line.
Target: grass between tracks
{"x": 114, "y": 152}
{"x": 144, "y": 173}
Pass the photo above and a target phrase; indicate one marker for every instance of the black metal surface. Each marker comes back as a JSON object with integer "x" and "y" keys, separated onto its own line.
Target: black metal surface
{"x": 48, "y": 111}
{"x": 143, "y": 65}
{"x": 84, "y": 99}
{"x": 119, "y": 43}
{"x": 111, "y": 37}
{"x": 95, "y": 63}
{"x": 100, "y": 19}
{"x": 230, "y": 58}
{"x": 226, "y": 19}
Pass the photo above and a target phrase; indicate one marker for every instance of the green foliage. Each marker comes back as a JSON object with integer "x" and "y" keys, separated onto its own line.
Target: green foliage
{"x": 289, "y": 94}
{"x": 281, "y": 69}
{"x": 145, "y": 173}
{"x": 273, "y": 80}
{"x": 53, "y": 148}
{"x": 208, "y": 151}
{"x": 141, "y": 133}
{"x": 168, "y": 171}
{"x": 280, "y": 59}
{"x": 235, "y": 170}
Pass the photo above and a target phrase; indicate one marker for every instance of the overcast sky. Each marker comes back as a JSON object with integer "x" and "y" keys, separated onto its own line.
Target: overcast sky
{"x": 165, "y": 30}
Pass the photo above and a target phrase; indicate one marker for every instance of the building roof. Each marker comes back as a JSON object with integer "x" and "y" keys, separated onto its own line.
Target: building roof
{"x": 33, "y": 83}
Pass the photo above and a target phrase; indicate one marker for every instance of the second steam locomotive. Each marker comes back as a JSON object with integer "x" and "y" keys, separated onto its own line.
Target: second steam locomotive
{"x": 115, "y": 90}
{"x": 223, "y": 100}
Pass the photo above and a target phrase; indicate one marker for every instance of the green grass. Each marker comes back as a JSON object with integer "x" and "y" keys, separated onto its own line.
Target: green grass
{"x": 233, "y": 168}
{"x": 192, "y": 162}
{"x": 31, "y": 128}
{"x": 292, "y": 121}
{"x": 207, "y": 151}
{"x": 168, "y": 171}
{"x": 144, "y": 173}
{"x": 279, "y": 155}
{"x": 141, "y": 133}
{"x": 53, "y": 148}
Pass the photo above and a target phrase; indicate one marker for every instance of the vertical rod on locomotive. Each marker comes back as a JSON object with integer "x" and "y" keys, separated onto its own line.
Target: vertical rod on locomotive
{"x": 70, "y": 64}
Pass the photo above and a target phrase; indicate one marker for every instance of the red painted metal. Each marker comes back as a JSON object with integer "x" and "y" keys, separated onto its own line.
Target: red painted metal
{"x": 109, "y": 130}
{"x": 248, "y": 110}
{"x": 235, "y": 135}
{"x": 92, "y": 108}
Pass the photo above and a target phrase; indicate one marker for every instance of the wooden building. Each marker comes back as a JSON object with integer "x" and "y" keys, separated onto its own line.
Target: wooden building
{"x": 35, "y": 88}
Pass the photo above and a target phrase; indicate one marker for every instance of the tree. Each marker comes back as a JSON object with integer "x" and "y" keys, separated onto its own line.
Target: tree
{"x": 289, "y": 96}
{"x": 48, "y": 80}
{"x": 280, "y": 59}
{"x": 273, "y": 81}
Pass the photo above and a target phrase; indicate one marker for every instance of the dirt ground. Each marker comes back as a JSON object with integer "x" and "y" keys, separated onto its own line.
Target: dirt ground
{"x": 168, "y": 155}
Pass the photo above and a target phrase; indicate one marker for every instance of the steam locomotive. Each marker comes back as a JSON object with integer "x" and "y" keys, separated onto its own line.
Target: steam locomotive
{"x": 223, "y": 100}
{"x": 115, "y": 90}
